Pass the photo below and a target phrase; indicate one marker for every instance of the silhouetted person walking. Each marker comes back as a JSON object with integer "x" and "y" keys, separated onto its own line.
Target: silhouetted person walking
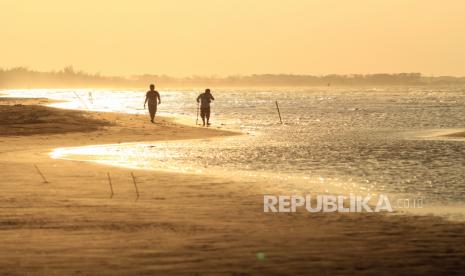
{"x": 205, "y": 100}
{"x": 152, "y": 96}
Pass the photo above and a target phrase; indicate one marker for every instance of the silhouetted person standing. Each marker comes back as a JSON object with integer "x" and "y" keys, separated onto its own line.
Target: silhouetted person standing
{"x": 152, "y": 96}
{"x": 205, "y": 100}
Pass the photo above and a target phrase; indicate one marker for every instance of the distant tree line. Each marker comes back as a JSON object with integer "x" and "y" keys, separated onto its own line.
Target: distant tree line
{"x": 21, "y": 77}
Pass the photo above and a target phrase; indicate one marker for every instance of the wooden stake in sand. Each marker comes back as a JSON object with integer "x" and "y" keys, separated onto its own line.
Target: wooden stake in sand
{"x": 111, "y": 186}
{"x": 279, "y": 113}
{"x": 41, "y": 174}
{"x": 135, "y": 184}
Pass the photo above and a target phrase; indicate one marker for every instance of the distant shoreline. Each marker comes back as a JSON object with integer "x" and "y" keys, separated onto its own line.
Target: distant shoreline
{"x": 21, "y": 77}
{"x": 240, "y": 87}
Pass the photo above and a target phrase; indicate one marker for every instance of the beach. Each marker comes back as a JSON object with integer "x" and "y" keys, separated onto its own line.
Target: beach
{"x": 180, "y": 223}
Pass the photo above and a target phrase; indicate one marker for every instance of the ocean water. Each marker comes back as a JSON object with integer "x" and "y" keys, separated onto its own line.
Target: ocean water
{"x": 332, "y": 139}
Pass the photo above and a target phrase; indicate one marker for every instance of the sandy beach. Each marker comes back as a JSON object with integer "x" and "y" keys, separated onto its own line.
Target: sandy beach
{"x": 181, "y": 223}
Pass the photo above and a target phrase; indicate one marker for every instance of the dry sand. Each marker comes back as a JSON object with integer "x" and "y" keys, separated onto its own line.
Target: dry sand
{"x": 181, "y": 223}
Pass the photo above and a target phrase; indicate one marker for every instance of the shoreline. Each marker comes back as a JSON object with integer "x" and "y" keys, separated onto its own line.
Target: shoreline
{"x": 184, "y": 223}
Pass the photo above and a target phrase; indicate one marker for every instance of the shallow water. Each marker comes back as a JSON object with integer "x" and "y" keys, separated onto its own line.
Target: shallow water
{"x": 334, "y": 140}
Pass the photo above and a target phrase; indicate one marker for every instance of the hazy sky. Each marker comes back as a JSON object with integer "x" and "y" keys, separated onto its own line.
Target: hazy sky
{"x": 204, "y": 37}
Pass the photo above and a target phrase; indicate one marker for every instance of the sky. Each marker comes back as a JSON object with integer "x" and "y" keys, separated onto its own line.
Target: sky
{"x": 229, "y": 37}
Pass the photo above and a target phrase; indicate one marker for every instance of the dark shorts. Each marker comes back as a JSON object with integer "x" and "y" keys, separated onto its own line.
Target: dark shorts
{"x": 205, "y": 112}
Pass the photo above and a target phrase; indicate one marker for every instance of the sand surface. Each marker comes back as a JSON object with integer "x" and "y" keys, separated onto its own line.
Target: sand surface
{"x": 460, "y": 134}
{"x": 181, "y": 223}
{"x": 455, "y": 134}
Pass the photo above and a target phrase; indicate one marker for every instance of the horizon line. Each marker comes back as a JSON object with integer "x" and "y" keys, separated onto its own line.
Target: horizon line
{"x": 71, "y": 68}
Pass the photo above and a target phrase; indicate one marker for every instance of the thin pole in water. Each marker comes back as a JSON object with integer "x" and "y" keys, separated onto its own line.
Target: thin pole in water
{"x": 91, "y": 99}
{"x": 111, "y": 186}
{"x": 197, "y": 119}
{"x": 41, "y": 174}
{"x": 279, "y": 113}
{"x": 135, "y": 184}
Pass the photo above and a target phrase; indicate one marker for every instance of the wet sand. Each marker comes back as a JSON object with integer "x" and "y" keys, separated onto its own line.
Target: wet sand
{"x": 181, "y": 223}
